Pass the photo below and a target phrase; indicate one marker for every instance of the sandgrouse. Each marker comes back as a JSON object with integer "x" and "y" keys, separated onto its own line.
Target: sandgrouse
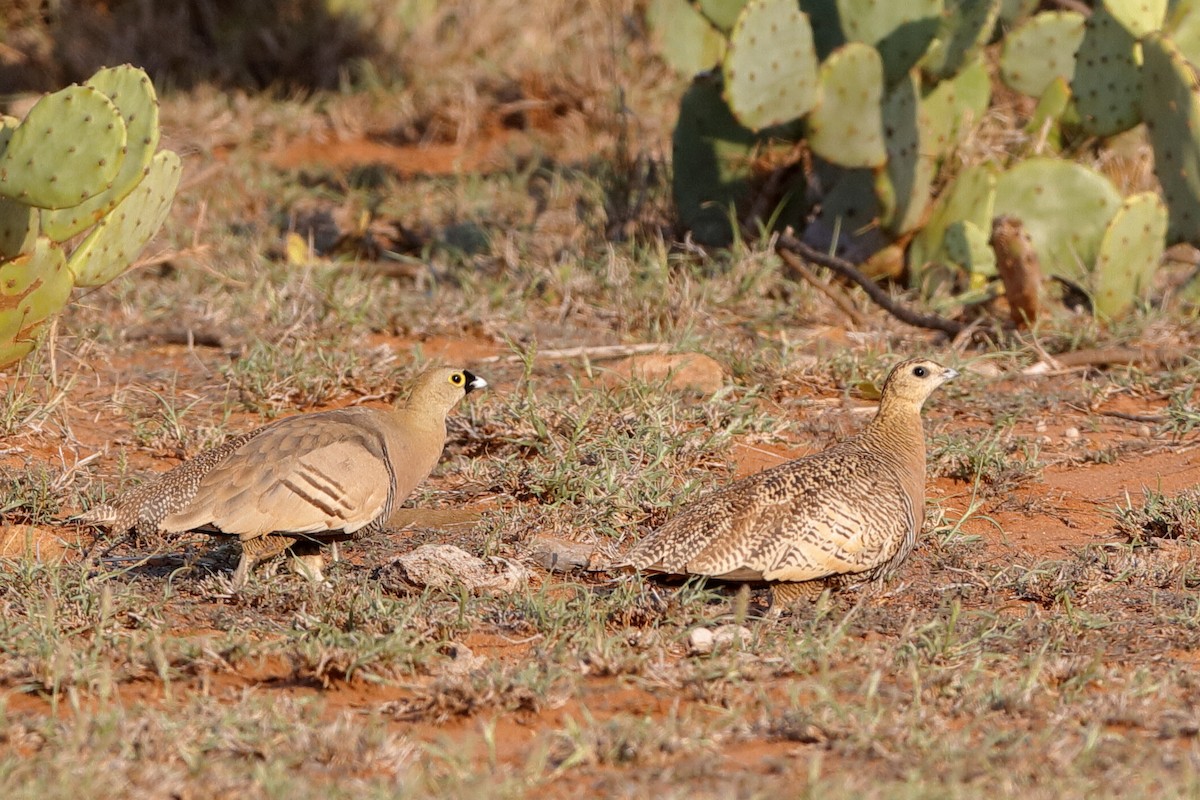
{"x": 850, "y": 513}
{"x": 301, "y": 481}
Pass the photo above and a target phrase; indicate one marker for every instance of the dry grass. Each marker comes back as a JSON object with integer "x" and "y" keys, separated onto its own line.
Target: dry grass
{"x": 1001, "y": 661}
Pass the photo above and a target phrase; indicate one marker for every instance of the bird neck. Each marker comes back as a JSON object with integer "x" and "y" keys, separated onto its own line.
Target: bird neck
{"x": 899, "y": 434}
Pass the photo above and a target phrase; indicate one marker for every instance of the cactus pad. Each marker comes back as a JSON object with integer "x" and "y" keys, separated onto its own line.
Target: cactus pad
{"x": 969, "y": 198}
{"x": 848, "y": 223}
{"x": 966, "y": 246}
{"x": 722, "y": 13}
{"x": 1108, "y": 81}
{"x": 771, "y": 68}
{"x": 1172, "y": 114}
{"x": 18, "y": 222}
{"x": 1064, "y": 206}
{"x": 954, "y": 108}
{"x": 67, "y": 150}
{"x": 686, "y": 40}
{"x": 964, "y": 30}
{"x": 900, "y": 31}
{"x": 1183, "y": 26}
{"x": 1139, "y": 17}
{"x": 33, "y": 288}
{"x": 1041, "y": 50}
{"x": 1130, "y": 252}
{"x": 903, "y": 186}
{"x": 711, "y": 154}
{"x": 131, "y": 92}
{"x": 115, "y": 243}
{"x": 846, "y": 127}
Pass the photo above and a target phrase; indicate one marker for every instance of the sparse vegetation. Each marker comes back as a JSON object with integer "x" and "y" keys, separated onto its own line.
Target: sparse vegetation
{"x": 500, "y": 197}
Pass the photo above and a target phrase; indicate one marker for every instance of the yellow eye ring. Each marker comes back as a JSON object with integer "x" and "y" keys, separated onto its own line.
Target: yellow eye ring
{"x": 456, "y": 378}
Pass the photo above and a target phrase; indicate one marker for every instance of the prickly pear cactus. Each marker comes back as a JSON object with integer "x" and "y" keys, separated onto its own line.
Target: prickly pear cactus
{"x": 1045, "y": 123}
{"x": 903, "y": 186}
{"x": 33, "y": 288}
{"x": 900, "y": 31}
{"x": 131, "y": 91}
{"x": 1183, "y": 28}
{"x": 1130, "y": 253}
{"x": 711, "y": 152}
{"x": 771, "y": 70}
{"x": 1041, "y": 50}
{"x": 966, "y": 246}
{"x": 721, "y": 13}
{"x": 964, "y": 30}
{"x": 846, "y": 127}
{"x": 1107, "y": 82}
{"x": 1139, "y": 17}
{"x": 1064, "y": 206}
{"x": 18, "y": 222}
{"x": 848, "y": 223}
{"x": 1172, "y": 114}
{"x": 970, "y": 198}
{"x": 686, "y": 40}
{"x": 68, "y": 149}
{"x": 115, "y": 243}
{"x": 955, "y": 107}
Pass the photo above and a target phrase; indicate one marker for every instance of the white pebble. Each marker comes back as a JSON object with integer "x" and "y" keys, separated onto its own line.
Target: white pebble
{"x": 1071, "y": 433}
{"x": 728, "y": 634}
{"x": 1143, "y": 431}
{"x": 1040, "y": 426}
{"x": 700, "y": 641}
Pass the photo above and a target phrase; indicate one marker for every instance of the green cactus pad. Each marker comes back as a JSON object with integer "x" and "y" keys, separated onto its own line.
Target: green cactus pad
{"x": 1064, "y": 207}
{"x": 18, "y": 222}
{"x": 970, "y": 197}
{"x": 826, "y": 26}
{"x": 1139, "y": 17}
{"x": 33, "y": 288}
{"x": 68, "y": 149}
{"x": 966, "y": 246}
{"x": 1183, "y": 27}
{"x": 1130, "y": 252}
{"x": 954, "y": 108}
{"x": 686, "y": 40}
{"x": 1041, "y": 50}
{"x": 711, "y": 156}
{"x": 771, "y": 68}
{"x": 846, "y": 127}
{"x": 903, "y": 185}
{"x": 1108, "y": 81}
{"x": 722, "y": 13}
{"x": 848, "y": 223}
{"x": 1048, "y": 113}
{"x": 1014, "y": 12}
{"x": 964, "y": 30}
{"x": 119, "y": 237}
{"x": 900, "y": 31}
{"x": 1172, "y": 114}
{"x": 131, "y": 91}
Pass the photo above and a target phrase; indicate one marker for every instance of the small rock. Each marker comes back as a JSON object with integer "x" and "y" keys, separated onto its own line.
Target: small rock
{"x": 1040, "y": 426}
{"x": 559, "y": 555}
{"x": 461, "y": 660}
{"x": 728, "y": 634}
{"x": 1143, "y": 431}
{"x": 700, "y": 641}
{"x": 1071, "y": 433}
{"x": 446, "y": 567}
{"x": 680, "y": 370}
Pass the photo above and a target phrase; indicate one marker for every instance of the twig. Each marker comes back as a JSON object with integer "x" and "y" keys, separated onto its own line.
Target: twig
{"x": 839, "y": 299}
{"x": 881, "y": 298}
{"x": 597, "y": 353}
{"x": 1155, "y": 418}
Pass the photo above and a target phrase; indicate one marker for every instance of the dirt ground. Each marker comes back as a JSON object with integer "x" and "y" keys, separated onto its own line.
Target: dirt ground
{"x": 1041, "y": 641}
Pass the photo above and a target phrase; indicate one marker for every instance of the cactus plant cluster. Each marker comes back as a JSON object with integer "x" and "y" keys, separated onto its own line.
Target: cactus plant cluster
{"x": 81, "y": 168}
{"x": 882, "y": 93}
